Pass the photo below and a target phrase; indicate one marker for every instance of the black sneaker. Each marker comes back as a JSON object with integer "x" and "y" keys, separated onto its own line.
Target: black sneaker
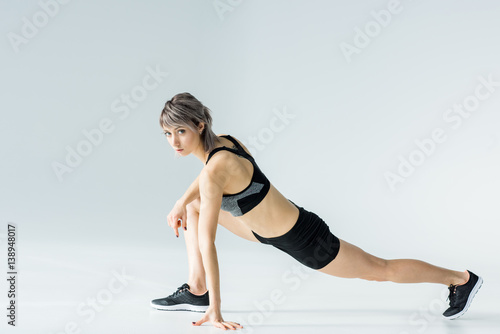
{"x": 182, "y": 300}
{"x": 461, "y": 296}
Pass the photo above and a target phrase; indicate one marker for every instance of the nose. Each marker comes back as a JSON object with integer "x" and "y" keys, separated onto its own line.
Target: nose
{"x": 175, "y": 141}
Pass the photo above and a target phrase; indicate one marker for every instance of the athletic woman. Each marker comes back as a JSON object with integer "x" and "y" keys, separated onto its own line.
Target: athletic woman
{"x": 232, "y": 191}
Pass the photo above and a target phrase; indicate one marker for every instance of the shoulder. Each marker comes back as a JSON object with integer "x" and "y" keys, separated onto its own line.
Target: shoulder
{"x": 213, "y": 178}
{"x": 239, "y": 142}
{"x": 217, "y": 169}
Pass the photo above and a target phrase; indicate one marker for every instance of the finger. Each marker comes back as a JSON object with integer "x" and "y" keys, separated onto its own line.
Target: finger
{"x": 235, "y": 324}
{"x": 220, "y": 325}
{"x": 184, "y": 223}
{"x": 199, "y": 322}
{"x": 229, "y": 325}
{"x": 177, "y": 220}
{"x": 175, "y": 227}
{"x": 181, "y": 221}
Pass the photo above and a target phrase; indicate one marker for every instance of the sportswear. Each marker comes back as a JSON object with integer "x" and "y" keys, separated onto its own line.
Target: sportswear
{"x": 182, "y": 300}
{"x": 240, "y": 203}
{"x": 309, "y": 241}
{"x": 461, "y": 296}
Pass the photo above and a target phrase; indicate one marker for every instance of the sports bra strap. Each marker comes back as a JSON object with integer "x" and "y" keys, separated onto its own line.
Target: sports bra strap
{"x": 238, "y": 146}
{"x": 239, "y": 149}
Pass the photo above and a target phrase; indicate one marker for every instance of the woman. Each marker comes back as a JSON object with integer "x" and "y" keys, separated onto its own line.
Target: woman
{"x": 232, "y": 191}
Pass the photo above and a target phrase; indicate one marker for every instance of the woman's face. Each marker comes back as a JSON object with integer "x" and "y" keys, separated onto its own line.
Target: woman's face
{"x": 182, "y": 138}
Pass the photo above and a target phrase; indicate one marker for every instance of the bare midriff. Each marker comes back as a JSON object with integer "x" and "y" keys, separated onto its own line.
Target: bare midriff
{"x": 274, "y": 215}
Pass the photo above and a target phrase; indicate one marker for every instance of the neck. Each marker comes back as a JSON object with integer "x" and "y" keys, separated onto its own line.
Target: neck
{"x": 201, "y": 154}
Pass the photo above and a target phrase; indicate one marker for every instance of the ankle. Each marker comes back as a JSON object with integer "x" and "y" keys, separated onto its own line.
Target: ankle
{"x": 197, "y": 288}
{"x": 467, "y": 277}
{"x": 461, "y": 279}
{"x": 198, "y": 292}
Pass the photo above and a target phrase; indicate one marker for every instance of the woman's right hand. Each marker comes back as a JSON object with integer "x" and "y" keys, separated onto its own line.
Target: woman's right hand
{"x": 178, "y": 217}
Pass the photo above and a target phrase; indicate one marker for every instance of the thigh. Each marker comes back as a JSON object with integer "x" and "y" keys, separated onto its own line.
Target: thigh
{"x": 353, "y": 262}
{"x": 228, "y": 221}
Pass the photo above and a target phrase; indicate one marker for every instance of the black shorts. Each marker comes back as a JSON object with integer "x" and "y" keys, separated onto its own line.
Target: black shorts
{"x": 309, "y": 241}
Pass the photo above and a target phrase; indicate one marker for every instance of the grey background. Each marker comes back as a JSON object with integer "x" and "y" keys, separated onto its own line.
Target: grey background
{"x": 351, "y": 120}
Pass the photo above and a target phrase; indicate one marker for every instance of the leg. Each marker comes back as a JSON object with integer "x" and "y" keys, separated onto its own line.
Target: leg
{"x": 196, "y": 280}
{"x": 353, "y": 262}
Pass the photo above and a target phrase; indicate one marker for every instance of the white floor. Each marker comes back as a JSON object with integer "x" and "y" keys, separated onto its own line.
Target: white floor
{"x": 73, "y": 289}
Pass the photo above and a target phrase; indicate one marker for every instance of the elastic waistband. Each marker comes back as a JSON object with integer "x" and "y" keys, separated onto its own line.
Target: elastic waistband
{"x": 283, "y": 237}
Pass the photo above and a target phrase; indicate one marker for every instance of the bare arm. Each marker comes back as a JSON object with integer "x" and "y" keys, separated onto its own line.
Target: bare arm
{"x": 193, "y": 191}
{"x": 178, "y": 215}
{"x": 211, "y": 189}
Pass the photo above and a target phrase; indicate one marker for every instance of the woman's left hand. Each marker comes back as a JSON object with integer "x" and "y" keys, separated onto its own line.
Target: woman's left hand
{"x": 214, "y": 315}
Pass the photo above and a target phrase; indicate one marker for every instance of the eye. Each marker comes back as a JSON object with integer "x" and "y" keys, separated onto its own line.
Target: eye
{"x": 182, "y": 131}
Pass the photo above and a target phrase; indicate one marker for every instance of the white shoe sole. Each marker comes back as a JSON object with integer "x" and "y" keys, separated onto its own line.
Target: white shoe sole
{"x": 180, "y": 307}
{"x": 479, "y": 283}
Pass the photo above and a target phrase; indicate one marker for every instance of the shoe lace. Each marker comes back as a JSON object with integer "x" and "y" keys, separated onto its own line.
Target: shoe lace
{"x": 453, "y": 294}
{"x": 179, "y": 290}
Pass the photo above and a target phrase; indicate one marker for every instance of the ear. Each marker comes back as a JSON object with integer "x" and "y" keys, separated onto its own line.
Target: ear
{"x": 201, "y": 127}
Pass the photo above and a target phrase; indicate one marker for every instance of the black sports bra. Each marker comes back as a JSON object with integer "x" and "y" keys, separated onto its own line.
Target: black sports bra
{"x": 240, "y": 203}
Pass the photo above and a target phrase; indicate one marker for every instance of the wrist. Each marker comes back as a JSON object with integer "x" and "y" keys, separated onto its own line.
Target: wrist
{"x": 215, "y": 306}
{"x": 214, "y": 302}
